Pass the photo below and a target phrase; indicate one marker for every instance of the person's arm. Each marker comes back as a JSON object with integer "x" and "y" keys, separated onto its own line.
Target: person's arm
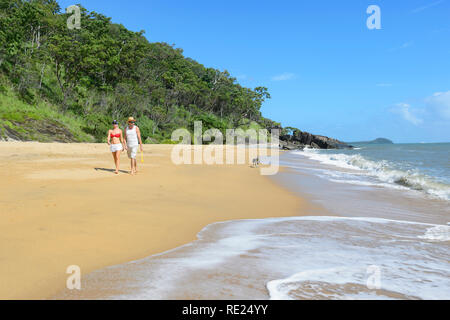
{"x": 138, "y": 132}
{"x": 109, "y": 137}
{"x": 124, "y": 140}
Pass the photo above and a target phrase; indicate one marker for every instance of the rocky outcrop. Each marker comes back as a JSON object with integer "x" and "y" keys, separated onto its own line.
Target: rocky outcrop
{"x": 300, "y": 139}
{"x": 43, "y": 130}
{"x": 288, "y": 145}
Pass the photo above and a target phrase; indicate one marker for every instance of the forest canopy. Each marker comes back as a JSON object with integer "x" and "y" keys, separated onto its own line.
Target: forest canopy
{"x": 103, "y": 71}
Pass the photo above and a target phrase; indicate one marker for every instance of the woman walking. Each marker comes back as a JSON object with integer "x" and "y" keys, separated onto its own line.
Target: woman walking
{"x": 115, "y": 141}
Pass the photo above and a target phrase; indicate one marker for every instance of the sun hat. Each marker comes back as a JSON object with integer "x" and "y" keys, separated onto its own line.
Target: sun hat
{"x": 131, "y": 119}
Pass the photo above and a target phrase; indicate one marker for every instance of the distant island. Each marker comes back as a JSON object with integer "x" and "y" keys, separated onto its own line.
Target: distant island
{"x": 376, "y": 141}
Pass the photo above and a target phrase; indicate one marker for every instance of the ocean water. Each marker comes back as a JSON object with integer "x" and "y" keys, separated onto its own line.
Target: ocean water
{"x": 385, "y": 234}
{"x": 422, "y": 167}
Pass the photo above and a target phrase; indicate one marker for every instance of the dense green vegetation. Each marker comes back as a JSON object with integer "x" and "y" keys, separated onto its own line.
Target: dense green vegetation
{"x": 78, "y": 80}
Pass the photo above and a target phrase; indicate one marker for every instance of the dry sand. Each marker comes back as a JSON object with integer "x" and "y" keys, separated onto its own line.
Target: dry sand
{"x": 61, "y": 205}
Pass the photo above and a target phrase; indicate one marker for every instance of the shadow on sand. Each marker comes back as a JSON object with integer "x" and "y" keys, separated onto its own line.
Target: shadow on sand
{"x": 110, "y": 170}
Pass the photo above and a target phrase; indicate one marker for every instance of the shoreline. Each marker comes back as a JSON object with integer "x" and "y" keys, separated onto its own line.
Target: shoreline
{"x": 61, "y": 208}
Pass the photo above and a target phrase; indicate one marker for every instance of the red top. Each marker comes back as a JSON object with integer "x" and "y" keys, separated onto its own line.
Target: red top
{"x": 115, "y": 135}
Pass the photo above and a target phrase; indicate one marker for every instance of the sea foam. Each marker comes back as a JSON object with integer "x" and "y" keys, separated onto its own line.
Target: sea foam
{"x": 384, "y": 171}
{"x": 312, "y": 257}
{"x": 437, "y": 233}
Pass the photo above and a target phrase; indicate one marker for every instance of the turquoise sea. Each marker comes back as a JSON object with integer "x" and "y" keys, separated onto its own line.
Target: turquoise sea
{"x": 422, "y": 167}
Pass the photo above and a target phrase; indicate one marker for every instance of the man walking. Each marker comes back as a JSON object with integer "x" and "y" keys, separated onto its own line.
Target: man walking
{"x": 133, "y": 140}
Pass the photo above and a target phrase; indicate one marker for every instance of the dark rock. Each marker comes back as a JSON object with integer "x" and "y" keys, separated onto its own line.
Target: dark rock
{"x": 291, "y": 145}
{"x": 44, "y": 130}
{"x": 301, "y": 138}
{"x": 9, "y": 135}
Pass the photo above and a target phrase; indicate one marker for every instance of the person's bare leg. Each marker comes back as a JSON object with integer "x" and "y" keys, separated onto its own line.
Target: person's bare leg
{"x": 117, "y": 162}
{"x": 132, "y": 166}
{"x": 135, "y": 165}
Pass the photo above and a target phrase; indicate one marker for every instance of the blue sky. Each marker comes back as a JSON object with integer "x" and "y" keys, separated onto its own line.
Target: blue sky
{"x": 326, "y": 71}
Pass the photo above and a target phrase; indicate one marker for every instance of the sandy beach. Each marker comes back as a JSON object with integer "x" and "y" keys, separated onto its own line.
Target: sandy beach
{"x": 62, "y": 205}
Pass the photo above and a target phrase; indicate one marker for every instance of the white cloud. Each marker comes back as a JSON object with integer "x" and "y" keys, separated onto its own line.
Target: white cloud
{"x": 384, "y": 84}
{"x": 406, "y": 45}
{"x": 407, "y": 113}
{"x": 439, "y": 104}
{"x": 403, "y": 46}
{"x": 419, "y": 9}
{"x": 283, "y": 77}
{"x": 436, "y": 109}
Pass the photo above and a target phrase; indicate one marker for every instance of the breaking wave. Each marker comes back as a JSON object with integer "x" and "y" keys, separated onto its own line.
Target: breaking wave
{"x": 384, "y": 171}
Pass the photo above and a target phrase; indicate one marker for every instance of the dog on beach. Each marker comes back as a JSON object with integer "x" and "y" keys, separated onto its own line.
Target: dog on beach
{"x": 256, "y": 162}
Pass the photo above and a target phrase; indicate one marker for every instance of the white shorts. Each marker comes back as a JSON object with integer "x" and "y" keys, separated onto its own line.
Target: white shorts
{"x": 116, "y": 147}
{"x": 132, "y": 152}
